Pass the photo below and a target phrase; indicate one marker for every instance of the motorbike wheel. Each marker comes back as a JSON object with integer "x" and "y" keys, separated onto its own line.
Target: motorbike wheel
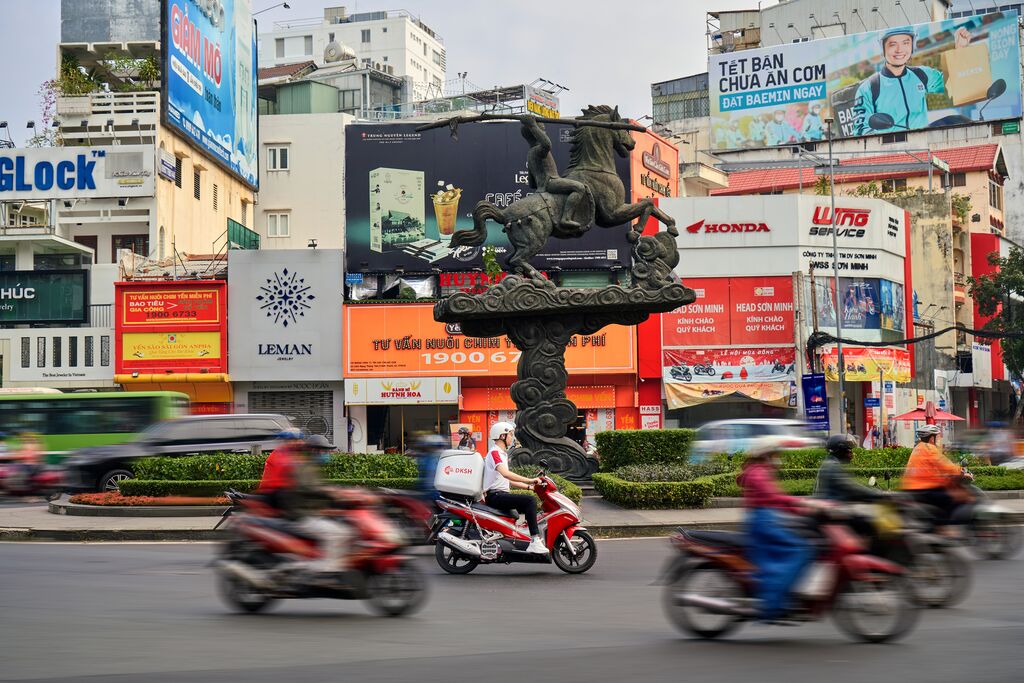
{"x": 241, "y": 595}
{"x": 995, "y": 540}
{"x": 586, "y": 553}
{"x": 452, "y": 561}
{"x": 877, "y": 610}
{"x": 398, "y": 592}
{"x": 940, "y": 578}
{"x": 708, "y": 582}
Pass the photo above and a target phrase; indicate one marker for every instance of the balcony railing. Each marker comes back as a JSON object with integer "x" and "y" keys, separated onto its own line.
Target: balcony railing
{"x": 959, "y": 279}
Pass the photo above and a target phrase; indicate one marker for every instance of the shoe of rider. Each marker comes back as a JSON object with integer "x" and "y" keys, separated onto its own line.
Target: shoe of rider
{"x": 499, "y": 480}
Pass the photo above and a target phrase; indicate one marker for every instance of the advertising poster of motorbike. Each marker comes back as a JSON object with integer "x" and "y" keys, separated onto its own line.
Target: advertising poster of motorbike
{"x": 863, "y": 364}
{"x": 901, "y": 78}
{"x": 767, "y": 364}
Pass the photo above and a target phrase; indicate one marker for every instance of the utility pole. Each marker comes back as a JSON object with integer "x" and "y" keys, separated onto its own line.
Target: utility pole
{"x": 835, "y": 273}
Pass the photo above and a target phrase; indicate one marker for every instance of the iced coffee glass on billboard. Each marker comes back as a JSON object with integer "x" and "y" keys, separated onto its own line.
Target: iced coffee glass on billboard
{"x": 446, "y": 209}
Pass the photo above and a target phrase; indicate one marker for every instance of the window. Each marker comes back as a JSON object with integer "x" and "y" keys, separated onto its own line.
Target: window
{"x": 995, "y": 196}
{"x": 307, "y": 45}
{"x": 436, "y": 56}
{"x": 177, "y": 171}
{"x": 139, "y": 244}
{"x": 104, "y": 350}
{"x": 90, "y": 350}
{"x": 894, "y": 185}
{"x": 277, "y": 158}
{"x": 384, "y": 30}
{"x": 365, "y": 35}
{"x": 26, "y": 351}
{"x": 890, "y": 138}
{"x": 424, "y": 49}
{"x": 385, "y": 59}
{"x": 196, "y": 179}
{"x": 277, "y": 225}
{"x": 955, "y": 179}
{"x": 216, "y": 191}
{"x": 245, "y": 213}
{"x": 330, "y": 37}
{"x": 56, "y": 352}
{"x": 279, "y": 48}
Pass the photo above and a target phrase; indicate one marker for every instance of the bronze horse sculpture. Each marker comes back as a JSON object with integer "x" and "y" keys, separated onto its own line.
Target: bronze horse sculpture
{"x": 531, "y": 221}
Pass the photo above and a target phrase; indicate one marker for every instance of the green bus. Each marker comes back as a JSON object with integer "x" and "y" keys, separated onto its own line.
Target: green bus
{"x": 66, "y": 422}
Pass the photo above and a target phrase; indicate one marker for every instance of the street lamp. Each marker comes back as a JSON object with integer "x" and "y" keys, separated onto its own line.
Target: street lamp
{"x": 835, "y": 275}
{"x": 280, "y": 4}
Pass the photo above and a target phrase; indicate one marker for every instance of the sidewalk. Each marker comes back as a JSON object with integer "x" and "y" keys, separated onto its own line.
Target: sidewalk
{"x": 601, "y": 518}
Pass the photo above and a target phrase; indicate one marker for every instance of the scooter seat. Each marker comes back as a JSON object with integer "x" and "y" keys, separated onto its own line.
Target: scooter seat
{"x": 285, "y": 527}
{"x": 493, "y": 511}
{"x": 718, "y": 539}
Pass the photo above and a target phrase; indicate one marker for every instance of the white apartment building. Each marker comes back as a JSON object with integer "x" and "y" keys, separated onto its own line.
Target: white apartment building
{"x": 394, "y": 42}
{"x": 302, "y": 184}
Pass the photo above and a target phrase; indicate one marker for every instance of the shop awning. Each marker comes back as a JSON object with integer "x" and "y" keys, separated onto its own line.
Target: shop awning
{"x": 209, "y": 387}
{"x": 680, "y": 395}
{"x": 865, "y": 363}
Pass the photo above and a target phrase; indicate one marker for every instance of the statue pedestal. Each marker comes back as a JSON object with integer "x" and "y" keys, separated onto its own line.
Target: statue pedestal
{"x": 540, "y": 319}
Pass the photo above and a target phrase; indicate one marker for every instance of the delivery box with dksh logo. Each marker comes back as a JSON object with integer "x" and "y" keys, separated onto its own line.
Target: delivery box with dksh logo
{"x": 460, "y": 473}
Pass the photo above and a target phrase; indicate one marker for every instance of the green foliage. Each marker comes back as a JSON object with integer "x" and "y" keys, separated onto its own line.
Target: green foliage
{"x": 565, "y": 487}
{"x": 210, "y": 488}
{"x": 822, "y": 186}
{"x": 231, "y": 466}
{"x": 644, "y": 473}
{"x": 621, "y": 447}
{"x": 655, "y": 495}
{"x": 961, "y": 204}
{"x": 491, "y": 266}
{"x": 999, "y": 295}
{"x": 72, "y": 79}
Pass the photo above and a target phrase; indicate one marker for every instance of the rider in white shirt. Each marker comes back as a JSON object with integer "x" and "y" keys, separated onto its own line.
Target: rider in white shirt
{"x": 498, "y": 481}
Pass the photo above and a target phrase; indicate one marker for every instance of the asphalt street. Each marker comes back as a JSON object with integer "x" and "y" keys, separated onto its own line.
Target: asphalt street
{"x": 148, "y": 612}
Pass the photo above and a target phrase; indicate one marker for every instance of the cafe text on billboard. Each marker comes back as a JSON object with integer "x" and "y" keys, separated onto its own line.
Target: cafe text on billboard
{"x": 901, "y": 78}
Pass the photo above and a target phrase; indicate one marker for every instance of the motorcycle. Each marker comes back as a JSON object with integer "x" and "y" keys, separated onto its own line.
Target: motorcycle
{"x": 681, "y": 372}
{"x": 254, "y": 569}
{"x": 704, "y": 369}
{"x": 411, "y": 511}
{"x": 990, "y": 528}
{"x": 709, "y": 585}
{"x": 20, "y": 480}
{"x": 467, "y": 534}
{"x": 778, "y": 367}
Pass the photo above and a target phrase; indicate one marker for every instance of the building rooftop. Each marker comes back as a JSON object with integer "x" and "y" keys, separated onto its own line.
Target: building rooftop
{"x": 960, "y": 160}
{"x": 286, "y": 70}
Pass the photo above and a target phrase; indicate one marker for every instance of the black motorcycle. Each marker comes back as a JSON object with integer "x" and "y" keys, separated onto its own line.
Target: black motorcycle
{"x": 681, "y": 372}
{"x": 704, "y": 369}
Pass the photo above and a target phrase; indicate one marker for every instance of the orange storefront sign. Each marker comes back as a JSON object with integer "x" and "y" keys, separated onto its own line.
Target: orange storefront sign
{"x": 653, "y": 167}
{"x": 404, "y": 340}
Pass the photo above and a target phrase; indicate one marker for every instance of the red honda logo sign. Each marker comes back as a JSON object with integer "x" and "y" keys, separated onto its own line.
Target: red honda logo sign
{"x": 695, "y": 228}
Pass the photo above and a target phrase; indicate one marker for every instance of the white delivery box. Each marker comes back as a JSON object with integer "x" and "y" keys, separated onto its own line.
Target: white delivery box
{"x": 460, "y": 473}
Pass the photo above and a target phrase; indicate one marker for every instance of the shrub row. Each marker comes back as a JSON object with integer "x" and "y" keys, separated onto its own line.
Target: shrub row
{"x": 232, "y": 466}
{"x": 213, "y": 487}
{"x": 565, "y": 487}
{"x": 689, "y": 472}
{"x": 620, "y": 447}
{"x": 654, "y": 495}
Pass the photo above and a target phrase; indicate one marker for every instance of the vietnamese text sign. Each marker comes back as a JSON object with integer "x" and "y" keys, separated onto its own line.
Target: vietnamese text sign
{"x": 43, "y": 296}
{"x": 209, "y": 79}
{"x": 170, "y": 306}
{"x": 407, "y": 192}
{"x": 402, "y": 391}
{"x": 76, "y": 172}
{"x": 401, "y": 340}
{"x": 945, "y": 73}
{"x": 733, "y": 311}
{"x": 146, "y": 346}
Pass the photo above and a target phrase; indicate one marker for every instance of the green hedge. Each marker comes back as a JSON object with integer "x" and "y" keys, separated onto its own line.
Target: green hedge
{"x": 618, "y": 448}
{"x": 655, "y": 495}
{"x": 212, "y": 487}
{"x": 649, "y": 473}
{"x": 565, "y": 487}
{"x": 232, "y": 466}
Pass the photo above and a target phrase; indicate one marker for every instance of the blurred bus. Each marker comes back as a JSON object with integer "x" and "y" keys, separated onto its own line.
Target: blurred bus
{"x": 65, "y": 422}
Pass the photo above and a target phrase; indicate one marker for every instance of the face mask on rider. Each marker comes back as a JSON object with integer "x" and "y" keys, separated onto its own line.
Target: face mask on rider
{"x": 323, "y": 457}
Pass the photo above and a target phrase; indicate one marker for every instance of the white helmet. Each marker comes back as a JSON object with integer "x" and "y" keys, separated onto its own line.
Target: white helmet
{"x": 928, "y": 431}
{"x": 500, "y": 429}
{"x": 765, "y": 445}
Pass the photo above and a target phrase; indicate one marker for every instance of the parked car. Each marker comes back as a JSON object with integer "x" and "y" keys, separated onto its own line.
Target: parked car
{"x": 101, "y": 468}
{"x": 734, "y": 436}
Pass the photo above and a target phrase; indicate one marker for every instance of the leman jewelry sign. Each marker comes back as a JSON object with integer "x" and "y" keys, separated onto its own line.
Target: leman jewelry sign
{"x": 285, "y": 322}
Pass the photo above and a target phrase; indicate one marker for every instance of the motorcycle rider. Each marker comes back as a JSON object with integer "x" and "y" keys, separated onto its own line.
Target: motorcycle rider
{"x": 930, "y": 474}
{"x": 778, "y": 553}
{"x": 498, "y": 480}
{"x": 834, "y": 482}
{"x": 291, "y": 484}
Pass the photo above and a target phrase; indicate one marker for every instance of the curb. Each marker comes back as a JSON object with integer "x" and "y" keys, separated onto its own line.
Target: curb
{"x": 62, "y": 507}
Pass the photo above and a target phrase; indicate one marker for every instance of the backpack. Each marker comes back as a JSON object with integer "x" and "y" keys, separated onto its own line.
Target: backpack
{"x": 876, "y": 82}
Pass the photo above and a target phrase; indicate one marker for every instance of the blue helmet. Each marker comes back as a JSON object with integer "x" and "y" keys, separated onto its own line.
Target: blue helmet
{"x": 290, "y": 435}
{"x": 900, "y": 31}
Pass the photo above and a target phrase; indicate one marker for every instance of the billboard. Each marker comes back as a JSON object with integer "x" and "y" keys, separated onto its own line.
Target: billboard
{"x": 209, "y": 80}
{"x": 43, "y": 296}
{"x": 865, "y": 364}
{"x": 733, "y": 311}
{"x": 653, "y": 167}
{"x": 946, "y": 73}
{"x": 815, "y": 402}
{"x": 398, "y": 340}
{"x": 76, "y": 172}
{"x": 726, "y": 366}
{"x": 407, "y": 192}
{"x": 285, "y": 314}
{"x": 399, "y": 391}
{"x": 171, "y": 306}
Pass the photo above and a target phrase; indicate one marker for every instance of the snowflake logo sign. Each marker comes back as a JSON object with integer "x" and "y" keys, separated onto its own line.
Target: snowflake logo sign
{"x": 285, "y": 297}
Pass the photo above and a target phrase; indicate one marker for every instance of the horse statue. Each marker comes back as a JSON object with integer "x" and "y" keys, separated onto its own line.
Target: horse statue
{"x": 591, "y": 191}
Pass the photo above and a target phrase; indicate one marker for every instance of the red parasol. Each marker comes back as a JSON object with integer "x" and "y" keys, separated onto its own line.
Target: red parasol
{"x": 930, "y": 414}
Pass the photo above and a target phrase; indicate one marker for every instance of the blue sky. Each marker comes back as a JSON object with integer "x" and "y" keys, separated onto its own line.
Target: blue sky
{"x": 605, "y": 51}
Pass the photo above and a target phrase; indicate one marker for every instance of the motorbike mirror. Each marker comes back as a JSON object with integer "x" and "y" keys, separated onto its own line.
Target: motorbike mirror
{"x": 543, "y": 464}
{"x": 883, "y": 121}
{"x": 872, "y": 481}
{"x": 997, "y": 88}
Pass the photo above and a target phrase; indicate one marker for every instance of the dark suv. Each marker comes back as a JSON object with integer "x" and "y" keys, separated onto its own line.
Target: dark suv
{"x": 100, "y": 468}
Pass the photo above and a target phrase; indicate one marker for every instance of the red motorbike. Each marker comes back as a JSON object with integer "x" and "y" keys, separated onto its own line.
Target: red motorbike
{"x": 19, "y": 479}
{"x": 709, "y": 586}
{"x": 468, "y": 534}
{"x": 257, "y": 567}
{"x": 411, "y": 511}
